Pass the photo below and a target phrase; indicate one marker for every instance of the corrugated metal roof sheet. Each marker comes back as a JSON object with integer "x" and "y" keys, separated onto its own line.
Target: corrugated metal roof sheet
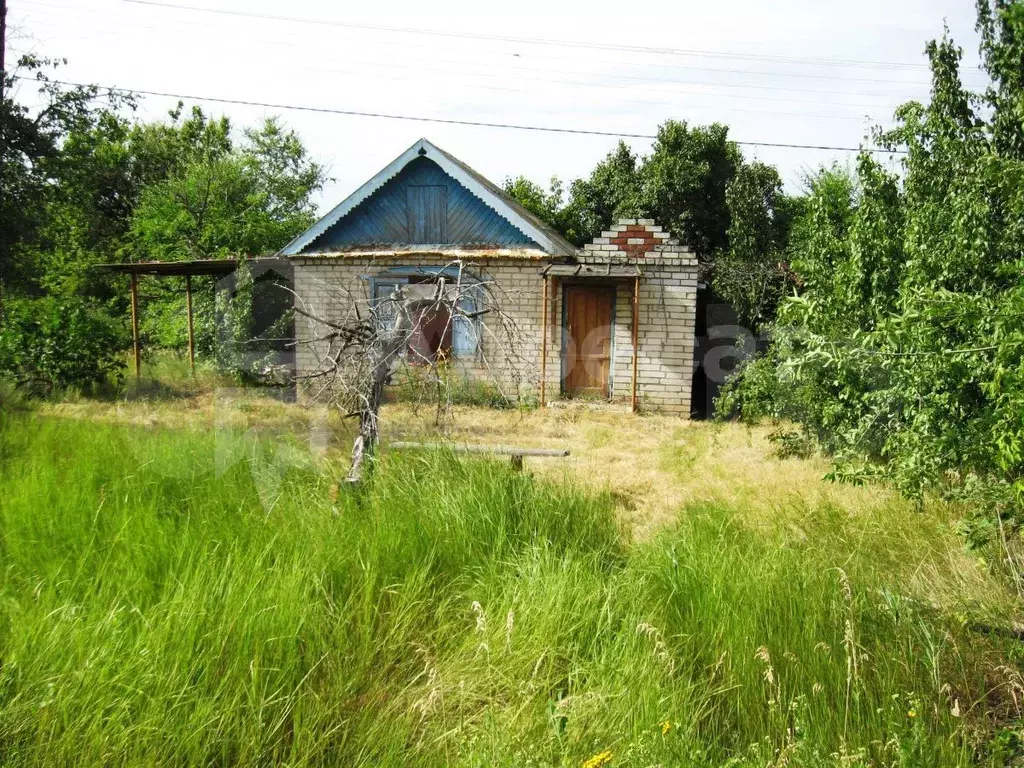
{"x": 594, "y": 271}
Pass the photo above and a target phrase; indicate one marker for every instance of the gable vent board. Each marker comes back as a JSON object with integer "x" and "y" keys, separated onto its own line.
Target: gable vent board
{"x": 427, "y": 212}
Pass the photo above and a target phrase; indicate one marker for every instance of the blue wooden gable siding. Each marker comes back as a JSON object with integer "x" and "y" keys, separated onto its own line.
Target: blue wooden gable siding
{"x": 383, "y": 219}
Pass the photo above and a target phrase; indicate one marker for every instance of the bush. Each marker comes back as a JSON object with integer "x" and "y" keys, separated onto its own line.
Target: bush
{"x": 753, "y": 392}
{"x": 51, "y": 343}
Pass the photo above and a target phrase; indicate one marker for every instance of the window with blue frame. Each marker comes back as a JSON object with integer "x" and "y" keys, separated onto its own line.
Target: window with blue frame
{"x": 439, "y": 332}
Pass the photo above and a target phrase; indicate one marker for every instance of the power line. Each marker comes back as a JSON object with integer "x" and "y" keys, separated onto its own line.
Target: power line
{"x": 444, "y": 121}
{"x": 646, "y": 64}
{"x": 537, "y": 41}
{"x": 503, "y": 69}
{"x": 375, "y": 74}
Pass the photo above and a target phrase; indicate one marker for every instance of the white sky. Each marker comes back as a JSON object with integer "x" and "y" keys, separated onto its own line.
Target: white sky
{"x": 758, "y": 90}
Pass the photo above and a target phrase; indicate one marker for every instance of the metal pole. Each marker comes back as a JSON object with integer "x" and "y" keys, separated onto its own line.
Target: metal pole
{"x": 135, "y": 327}
{"x": 636, "y": 335}
{"x": 191, "y": 333}
{"x": 544, "y": 346}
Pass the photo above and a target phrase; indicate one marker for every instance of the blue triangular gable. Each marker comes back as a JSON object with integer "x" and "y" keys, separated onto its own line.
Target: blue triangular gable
{"x": 444, "y": 200}
{"x": 390, "y": 216}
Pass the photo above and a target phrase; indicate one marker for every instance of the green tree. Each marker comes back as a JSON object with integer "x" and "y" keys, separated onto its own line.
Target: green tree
{"x": 547, "y": 205}
{"x": 220, "y": 199}
{"x": 684, "y": 184}
{"x": 903, "y": 355}
{"x": 684, "y": 180}
{"x": 752, "y": 274}
{"x": 50, "y": 343}
{"x": 36, "y": 161}
{"x": 611, "y": 191}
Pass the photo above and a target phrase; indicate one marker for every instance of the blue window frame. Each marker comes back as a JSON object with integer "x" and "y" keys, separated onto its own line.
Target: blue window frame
{"x": 466, "y": 335}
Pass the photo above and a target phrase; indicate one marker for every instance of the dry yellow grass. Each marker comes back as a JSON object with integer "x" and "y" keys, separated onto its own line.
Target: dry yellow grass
{"x": 653, "y": 465}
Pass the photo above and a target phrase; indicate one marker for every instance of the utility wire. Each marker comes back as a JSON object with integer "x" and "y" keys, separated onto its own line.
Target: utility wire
{"x": 374, "y": 72}
{"x": 536, "y": 41}
{"x": 673, "y": 98}
{"x": 64, "y": 15}
{"x": 502, "y": 73}
{"x": 441, "y": 120}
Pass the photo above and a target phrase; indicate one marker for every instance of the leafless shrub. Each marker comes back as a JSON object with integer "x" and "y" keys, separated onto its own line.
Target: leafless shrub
{"x": 361, "y": 342}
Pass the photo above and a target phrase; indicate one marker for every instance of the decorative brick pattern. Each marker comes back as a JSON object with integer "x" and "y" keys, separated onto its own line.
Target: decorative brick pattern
{"x": 630, "y": 237}
{"x": 667, "y": 314}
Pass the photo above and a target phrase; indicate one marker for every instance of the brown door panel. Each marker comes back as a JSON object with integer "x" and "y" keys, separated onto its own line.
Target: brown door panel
{"x": 587, "y": 357}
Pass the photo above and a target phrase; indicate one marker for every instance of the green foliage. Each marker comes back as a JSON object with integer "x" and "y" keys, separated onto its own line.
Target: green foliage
{"x": 547, "y": 205}
{"x": 448, "y": 384}
{"x": 50, "y": 344}
{"x": 681, "y": 184}
{"x": 612, "y": 191}
{"x": 751, "y": 275}
{"x": 84, "y": 184}
{"x": 222, "y": 201}
{"x": 904, "y": 353}
{"x": 39, "y": 165}
{"x": 240, "y": 348}
{"x": 684, "y": 182}
{"x": 189, "y": 598}
{"x": 695, "y": 184}
{"x": 756, "y": 392}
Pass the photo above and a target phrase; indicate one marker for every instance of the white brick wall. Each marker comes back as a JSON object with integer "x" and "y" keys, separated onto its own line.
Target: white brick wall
{"x": 330, "y": 286}
{"x": 667, "y": 315}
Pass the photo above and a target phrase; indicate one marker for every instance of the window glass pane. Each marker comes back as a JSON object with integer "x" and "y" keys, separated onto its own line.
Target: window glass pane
{"x": 465, "y": 330}
{"x": 384, "y": 307}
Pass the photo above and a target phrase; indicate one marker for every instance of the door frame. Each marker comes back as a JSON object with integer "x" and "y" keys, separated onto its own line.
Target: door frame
{"x": 565, "y": 286}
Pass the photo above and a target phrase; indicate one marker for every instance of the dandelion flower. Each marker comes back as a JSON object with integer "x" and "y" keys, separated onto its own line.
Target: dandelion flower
{"x": 666, "y": 727}
{"x": 599, "y": 760}
{"x": 911, "y": 713}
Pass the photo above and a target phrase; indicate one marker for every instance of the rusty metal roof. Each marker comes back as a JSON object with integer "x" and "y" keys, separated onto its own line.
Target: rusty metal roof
{"x": 592, "y": 271}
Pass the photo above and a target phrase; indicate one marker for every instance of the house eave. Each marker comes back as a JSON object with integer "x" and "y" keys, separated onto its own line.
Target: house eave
{"x": 413, "y": 254}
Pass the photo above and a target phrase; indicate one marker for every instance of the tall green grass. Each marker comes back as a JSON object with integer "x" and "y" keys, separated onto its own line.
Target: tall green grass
{"x": 168, "y": 599}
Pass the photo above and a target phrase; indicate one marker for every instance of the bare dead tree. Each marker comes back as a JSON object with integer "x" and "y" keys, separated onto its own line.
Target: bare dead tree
{"x": 360, "y": 342}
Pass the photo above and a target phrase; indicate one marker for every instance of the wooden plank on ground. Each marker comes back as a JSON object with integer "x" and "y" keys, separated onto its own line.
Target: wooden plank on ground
{"x": 495, "y": 450}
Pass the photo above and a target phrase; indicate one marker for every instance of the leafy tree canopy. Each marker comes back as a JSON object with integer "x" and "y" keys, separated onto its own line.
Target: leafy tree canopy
{"x": 695, "y": 184}
{"x": 85, "y": 183}
{"x": 222, "y": 199}
{"x": 903, "y": 354}
{"x": 35, "y": 169}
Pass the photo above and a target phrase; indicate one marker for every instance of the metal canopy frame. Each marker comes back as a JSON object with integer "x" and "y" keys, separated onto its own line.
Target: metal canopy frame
{"x": 186, "y": 269}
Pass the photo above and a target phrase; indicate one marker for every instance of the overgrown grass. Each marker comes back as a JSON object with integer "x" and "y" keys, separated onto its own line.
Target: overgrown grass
{"x": 181, "y": 597}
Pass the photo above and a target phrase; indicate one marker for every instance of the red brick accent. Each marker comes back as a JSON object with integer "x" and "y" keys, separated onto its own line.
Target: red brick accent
{"x": 635, "y": 231}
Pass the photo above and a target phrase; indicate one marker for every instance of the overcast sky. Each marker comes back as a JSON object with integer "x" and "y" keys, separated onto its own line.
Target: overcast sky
{"x": 815, "y": 72}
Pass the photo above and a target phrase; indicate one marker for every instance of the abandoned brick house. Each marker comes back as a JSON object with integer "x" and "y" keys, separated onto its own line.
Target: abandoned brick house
{"x": 614, "y": 320}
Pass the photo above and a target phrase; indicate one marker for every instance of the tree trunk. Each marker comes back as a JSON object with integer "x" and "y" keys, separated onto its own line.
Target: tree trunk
{"x": 384, "y": 350}
{"x": 365, "y": 444}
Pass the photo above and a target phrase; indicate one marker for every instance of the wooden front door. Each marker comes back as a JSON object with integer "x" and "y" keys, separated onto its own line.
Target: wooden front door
{"x": 587, "y": 346}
